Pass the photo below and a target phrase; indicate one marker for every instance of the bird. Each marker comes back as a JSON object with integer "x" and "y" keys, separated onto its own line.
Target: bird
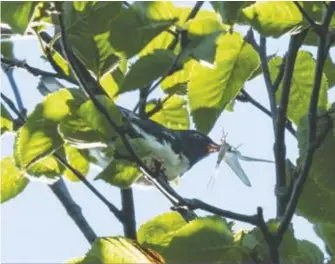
{"x": 175, "y": 151}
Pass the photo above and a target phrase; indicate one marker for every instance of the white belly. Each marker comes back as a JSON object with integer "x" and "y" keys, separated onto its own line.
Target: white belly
{"x": 174, "y": 165}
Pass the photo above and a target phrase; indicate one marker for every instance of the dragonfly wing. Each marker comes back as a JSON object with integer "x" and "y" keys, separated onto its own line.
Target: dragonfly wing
{"x": 232, "y": 160}
{"x": 245, "y": 158}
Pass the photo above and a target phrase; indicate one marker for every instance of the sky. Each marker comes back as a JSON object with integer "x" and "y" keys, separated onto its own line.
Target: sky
{"x": 36, "y": 229}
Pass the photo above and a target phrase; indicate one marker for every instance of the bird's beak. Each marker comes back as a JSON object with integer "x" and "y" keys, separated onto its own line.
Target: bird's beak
{"x": 213, "y": 148}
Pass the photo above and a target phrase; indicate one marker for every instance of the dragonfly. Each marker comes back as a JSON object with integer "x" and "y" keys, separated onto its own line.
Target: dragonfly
{"x": 232, "y": 156}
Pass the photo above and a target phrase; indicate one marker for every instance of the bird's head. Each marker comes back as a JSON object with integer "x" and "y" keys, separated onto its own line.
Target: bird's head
{"x": 196, "y": 145}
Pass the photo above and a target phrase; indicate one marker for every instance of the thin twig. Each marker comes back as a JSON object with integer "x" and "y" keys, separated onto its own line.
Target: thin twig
{"x": 111, "y": 207}
{"x": 312, "y": 119}
{"x": 73, "y": 210}
{"x": 258, "y": 105}
{"x": 34, "y": 71}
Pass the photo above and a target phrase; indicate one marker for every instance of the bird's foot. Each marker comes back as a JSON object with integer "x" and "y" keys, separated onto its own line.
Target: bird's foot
{"x": 190, "y": 204}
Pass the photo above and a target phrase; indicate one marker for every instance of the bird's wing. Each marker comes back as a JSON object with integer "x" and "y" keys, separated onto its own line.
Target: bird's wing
{"x": 232, "y": 160}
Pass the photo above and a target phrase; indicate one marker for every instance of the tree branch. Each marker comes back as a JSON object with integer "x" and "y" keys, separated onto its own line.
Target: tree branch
{"x": 279, "y": 146}
{"x": 73, "y": 210}
{"x": 128, "y": 210}
{"x": 312, "y": 119}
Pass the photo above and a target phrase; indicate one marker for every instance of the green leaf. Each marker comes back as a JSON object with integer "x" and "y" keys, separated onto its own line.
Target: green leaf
{"x": 329, "y": 69}
{"x": 12, "y": 180}
{"x": 59, "y": 60}
{"x": 307, "y": 253}
{"x": 143, "y": 22}
{"x": 316, "y": 203}
{"x": 210, "y": 90}
{"x": 173, "y": 113}
{"x": 112, "y": 81}
{"x": 47, "y": 168}
{"x": 229, "y": 11}
{"x": 120, "y": 173}
{"x": 77, "y": 132}
{"x": 158, "y": 232}
{"x": 327, "y": 233}
{"x": 119, "y": 250}
{"x": 6, "y": 120}
{"x": 98, "y": 121}
{"x": 177, "y": 81}
{"x": 17, "y": 14}
{"x": 147, "y": 69}
{"x": 301, "y": 86}
{"x": 321, "y": 183}
{"x": 88, "y": 25}
{"x": 38, "y": 137}
{"x": 78, "y": 159}
{"x": 256, "y": 244}
{"x": 203, "y": 240}
{"x": 273, "y": 18}
{"x": 160, "y": 42}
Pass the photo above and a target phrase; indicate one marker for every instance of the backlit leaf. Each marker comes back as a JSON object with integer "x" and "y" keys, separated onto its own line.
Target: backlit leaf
{"x": 273, "y": 18}
{"x": 173, "y": 113}
{"x": 6, "y": 120}
{"x": 78, "y": 159}
{"x": 143, "y": 22}
{"x": 17, "y": 14}
{"x": 88, "y": 25}
{"x": 12, "y": 179}
{"x": 98, "y": 121}
{"x": 38, "y": 137}
{"x": 301, "y": 86}
{"x": 120, "y": 173}
{"x": 210, "y": 90}
{"x": 119, "y": 250}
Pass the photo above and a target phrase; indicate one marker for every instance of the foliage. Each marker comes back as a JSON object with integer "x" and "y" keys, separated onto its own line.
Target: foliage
{"x": 201, "y": 64}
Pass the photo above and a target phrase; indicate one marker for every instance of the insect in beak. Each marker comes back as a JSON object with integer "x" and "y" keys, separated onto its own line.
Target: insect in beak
{"x": 213, "y": 148}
